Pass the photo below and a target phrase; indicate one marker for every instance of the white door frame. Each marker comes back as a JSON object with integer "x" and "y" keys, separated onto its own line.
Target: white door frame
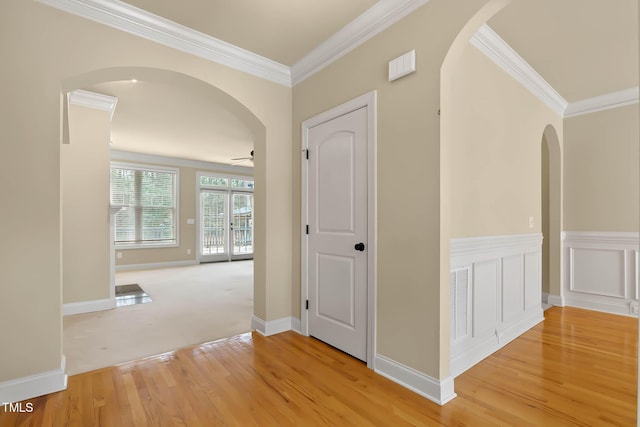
{"x": 367, "y": 100}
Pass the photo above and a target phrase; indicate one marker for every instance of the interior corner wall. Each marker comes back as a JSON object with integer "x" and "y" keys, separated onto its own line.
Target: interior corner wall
{"x": 408, "y": 139}
{"x": 84, "y": 182}
{"x": 495, "y": 148}
{"x": 601, "y": 171}
{"x": 42, "y": 48}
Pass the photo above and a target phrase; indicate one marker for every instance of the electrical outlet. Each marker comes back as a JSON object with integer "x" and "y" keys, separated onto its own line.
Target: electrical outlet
{"x": 531, "y": 222}
{"x": 633, "y": 308}
{"x": 119, "y": 255}
{"x": 188, "y": 251}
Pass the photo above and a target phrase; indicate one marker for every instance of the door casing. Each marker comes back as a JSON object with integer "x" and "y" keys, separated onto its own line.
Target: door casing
{"x": 369, "y": 101}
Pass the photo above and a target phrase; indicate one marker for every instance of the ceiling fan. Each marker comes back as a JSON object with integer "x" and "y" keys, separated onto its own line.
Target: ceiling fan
{"x": 239, "y": 160}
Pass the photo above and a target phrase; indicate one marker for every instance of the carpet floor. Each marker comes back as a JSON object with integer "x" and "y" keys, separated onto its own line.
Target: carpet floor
{"x": 191, "y": 305}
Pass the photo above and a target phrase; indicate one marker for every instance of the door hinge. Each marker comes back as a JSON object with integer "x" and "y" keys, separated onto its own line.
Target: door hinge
{"x": 307, "y": 304}
{"x": 307, "y": 229}
{"x": 307, "y": 153}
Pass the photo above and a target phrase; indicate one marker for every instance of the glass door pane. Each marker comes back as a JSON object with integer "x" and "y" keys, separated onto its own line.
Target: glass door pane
{"x": 242, "y": 225}
{"x": 213, "y": 225}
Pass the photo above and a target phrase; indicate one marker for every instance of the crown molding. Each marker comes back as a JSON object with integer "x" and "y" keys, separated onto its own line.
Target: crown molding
{"x": 373, "y": 21}
{"x": 133, "y": 20}
{"x": 603, "y": 102}
{"x": 84, "y": 98}
{"x": 496, "y": 49}
{"x": 130, "y": 156}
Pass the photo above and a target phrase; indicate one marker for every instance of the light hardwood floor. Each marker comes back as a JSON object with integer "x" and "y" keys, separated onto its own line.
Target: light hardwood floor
{"x": 576, "y": 368}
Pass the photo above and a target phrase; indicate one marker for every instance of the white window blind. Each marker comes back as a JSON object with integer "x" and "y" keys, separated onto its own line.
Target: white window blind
{"x": 148, "y": 196}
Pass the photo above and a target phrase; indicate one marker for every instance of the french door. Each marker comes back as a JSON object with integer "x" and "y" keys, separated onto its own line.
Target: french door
{"x": 226, "y": 225}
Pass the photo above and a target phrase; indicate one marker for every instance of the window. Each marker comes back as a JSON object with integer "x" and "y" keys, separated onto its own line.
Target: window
{"x": 246, "y": 184}
{"x": 149, "y": 200}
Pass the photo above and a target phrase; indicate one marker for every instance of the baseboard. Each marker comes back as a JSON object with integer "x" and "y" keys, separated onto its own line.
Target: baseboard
{"x": 155, "y": 265}
{"x": 438, "y": 391}
{"x": 552, "y": 299}
{"x": 273, "y": 327}
{"x": 603, "y": 304}
{"x": 486, "y": 347}
{"x": 34, "y": 385}
{"x": 88, "y": 306}
{"x": 296, "y": 325}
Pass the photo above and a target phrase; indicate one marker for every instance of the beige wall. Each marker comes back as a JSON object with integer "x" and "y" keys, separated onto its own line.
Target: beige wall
{"x": 84, "y": 183}
{"x": 495, "y": 150}
{"x": 408, "y": 305}
{"x": 601, "y": 171}
{"x": 43, "y": 50}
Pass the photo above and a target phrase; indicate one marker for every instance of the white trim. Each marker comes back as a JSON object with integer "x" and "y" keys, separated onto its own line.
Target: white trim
{"x": 627, "y": 244}
{"x": 273, "y": 327}
{"x": 89, "y": 306}
{"x": 438, "y": 391}
{"x": 373, "y": 21}
{"x": 95, "y": 100}
{"x": 128, "y": 156}
{"x": 631, "y": 239}
{"x": 466, "y": 250}
{"x": 496, "y": 49}
{"x": 133, "y": 20}
{"x": 296, "y": 325}
{"x": 368, "y": 100}
{"x": 607, "y": 101}
{"x": 551, "y": 299}
{"x": 523, "y": 252}
{"x": 469, "y": 358}
{"x": 34, "y": 385}
{"x": 155, "y": 265}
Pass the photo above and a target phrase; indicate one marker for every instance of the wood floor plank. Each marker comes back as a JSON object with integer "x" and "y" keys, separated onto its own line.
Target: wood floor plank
{"x": 577, "y": 368}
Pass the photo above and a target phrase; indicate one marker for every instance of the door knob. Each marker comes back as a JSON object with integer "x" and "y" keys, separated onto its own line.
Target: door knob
{"x": 359, "y": 246}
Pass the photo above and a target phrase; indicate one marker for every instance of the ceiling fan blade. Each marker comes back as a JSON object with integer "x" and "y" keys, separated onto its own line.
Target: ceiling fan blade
{"x": 247, "y": 159}
{"x": 243, "y": 159}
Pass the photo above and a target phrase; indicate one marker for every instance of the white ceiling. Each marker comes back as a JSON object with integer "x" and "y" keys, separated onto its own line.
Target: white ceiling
{"x": 155, "y": 118}
{"x": 582, "y": 48}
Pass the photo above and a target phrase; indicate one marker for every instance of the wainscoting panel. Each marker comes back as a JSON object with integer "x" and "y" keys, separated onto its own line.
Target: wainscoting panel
{"x": 485, "y": 297}
{"x": 601, "y": 271}
{"x": 532, "y": 280}
{"x": 512, "y": 296}
{"x": 496, "y": 294}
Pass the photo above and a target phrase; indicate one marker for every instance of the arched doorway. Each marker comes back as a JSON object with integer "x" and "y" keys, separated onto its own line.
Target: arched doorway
{"x": 186, "y": 83}
{"x": 551, "y": 191}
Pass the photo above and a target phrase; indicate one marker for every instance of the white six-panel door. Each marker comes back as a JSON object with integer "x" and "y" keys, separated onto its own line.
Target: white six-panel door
{"x": 337, "y": 239}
